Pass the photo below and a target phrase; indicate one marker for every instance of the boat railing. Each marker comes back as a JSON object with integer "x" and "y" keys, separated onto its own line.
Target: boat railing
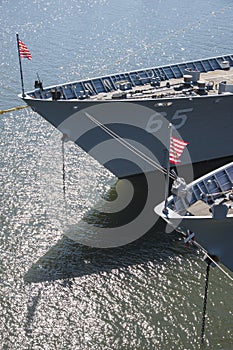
{"x": 209, "y": 189}
{"x": 104, "y": 84}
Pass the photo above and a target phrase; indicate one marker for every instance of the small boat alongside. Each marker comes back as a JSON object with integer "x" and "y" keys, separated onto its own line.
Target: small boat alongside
{"x": 203, "y": 210}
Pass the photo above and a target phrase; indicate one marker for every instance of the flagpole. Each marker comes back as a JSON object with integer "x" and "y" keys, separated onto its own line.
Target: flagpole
{"x": 165, "y": 211}
{"x": 20, "y": 66}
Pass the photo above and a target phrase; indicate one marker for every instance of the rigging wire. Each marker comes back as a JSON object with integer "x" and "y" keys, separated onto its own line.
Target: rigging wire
{"x": 213, "y": 261}
{"x": 129, "y": 146}
{"x": 206, "y": 254}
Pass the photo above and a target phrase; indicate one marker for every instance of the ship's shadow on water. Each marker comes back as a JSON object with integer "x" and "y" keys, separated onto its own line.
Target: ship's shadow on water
{"x": 68, "y": 259}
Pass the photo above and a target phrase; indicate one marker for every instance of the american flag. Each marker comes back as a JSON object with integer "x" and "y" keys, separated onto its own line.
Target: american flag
{"x": 23, "y": 51}
{"x": 176, "y": 149}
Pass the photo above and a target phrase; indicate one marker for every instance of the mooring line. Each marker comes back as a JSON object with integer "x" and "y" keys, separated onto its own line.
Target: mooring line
{"x": 206, "y": 254}
{"x": 129, "y": 146}
{"x": 13, "y": 109}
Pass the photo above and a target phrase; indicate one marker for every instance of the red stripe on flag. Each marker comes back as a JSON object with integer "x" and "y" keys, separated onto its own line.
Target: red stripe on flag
{"x": 176, "y": 149}
{"x": 23, "y": 51}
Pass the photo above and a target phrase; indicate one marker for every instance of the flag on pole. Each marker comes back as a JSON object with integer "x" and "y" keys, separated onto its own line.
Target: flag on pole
{"x": 176, "y": 149}
{"x": 23, "y": 51}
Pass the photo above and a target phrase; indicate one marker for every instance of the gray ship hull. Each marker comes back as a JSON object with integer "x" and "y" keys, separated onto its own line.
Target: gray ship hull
{"x": 123, "y": 121}
{"x": 205, "y": 122}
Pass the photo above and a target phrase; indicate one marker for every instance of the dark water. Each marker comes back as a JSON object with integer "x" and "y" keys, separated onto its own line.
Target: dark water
{"x": 56, "y": 293}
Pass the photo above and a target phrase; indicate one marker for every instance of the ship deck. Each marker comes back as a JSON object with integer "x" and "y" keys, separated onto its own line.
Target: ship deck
{"x": 214, "y": 188}
{"x": 168, "y": 81}
{"x": 201, "y": 208}
{"x": 176, "y": 88}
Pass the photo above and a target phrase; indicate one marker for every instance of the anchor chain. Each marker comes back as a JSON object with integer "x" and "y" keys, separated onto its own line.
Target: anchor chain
{"x": 63, "y": 165}
{"x": 64, "y": 139}
{"x": 208, "y": 261}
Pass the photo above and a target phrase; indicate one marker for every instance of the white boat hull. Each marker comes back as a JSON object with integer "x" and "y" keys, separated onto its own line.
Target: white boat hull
{"x": 213, "y": 229}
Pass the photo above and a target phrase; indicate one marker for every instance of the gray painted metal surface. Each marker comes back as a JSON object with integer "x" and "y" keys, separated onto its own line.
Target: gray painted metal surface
{"x": 205, "y": 121}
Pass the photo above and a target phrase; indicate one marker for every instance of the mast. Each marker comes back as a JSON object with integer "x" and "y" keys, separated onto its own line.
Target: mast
{"x": 20, "y": 66}
{"x": 165, "y": 211}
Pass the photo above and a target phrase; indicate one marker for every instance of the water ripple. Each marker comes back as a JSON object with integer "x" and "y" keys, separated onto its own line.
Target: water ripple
{"x": 57, "y": 294}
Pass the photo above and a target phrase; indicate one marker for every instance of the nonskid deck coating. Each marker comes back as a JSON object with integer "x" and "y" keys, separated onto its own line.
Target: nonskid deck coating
{"x": 147, "y": 91}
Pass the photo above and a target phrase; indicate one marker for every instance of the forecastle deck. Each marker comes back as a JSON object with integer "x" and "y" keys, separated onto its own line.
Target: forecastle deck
{"x": 199, "y": 77}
